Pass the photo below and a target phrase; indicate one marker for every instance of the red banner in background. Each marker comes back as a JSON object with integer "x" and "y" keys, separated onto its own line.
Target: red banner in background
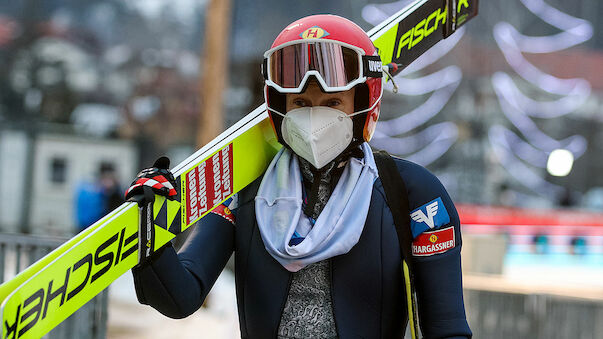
{"x": 509, "y": 216}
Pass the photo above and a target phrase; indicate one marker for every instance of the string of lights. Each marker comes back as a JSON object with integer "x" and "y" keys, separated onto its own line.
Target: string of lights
{"x": 524, "y": 157}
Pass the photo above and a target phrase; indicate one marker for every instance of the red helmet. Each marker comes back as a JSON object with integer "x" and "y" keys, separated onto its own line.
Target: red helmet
{"x": 338, "y": 54}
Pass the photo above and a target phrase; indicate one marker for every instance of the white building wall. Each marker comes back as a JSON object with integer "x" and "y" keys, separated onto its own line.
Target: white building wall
{"x": 52, "y": 210}
{"x": 13, "y": 156}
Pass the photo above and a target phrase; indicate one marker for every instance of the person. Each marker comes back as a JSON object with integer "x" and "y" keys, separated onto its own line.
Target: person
{"x": 112, "y": 191}
{"x": 316, "y": 251}
{"x": 89, "y": 204}
{"x": 94, "y": 199}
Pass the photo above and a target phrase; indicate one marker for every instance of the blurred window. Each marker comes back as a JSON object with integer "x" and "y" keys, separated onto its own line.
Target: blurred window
{"x": 106, "y": 167}
{"x": 58, "y": 170}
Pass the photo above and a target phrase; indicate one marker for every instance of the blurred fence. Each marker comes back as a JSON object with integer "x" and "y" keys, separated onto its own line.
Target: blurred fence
{"x": 521, "y": 314}
{"x": 19, "y": 251}
{"x": 498, "y": 308}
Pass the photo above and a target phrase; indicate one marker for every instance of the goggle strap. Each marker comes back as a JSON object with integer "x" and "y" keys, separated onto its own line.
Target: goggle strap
{"x": 371, "y": 65}
{"x": 265, "y": 68}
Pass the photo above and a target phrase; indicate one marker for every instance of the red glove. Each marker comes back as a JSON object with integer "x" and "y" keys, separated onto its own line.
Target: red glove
{"x": 157, "y": 179}
{"x": 150, "y": 181}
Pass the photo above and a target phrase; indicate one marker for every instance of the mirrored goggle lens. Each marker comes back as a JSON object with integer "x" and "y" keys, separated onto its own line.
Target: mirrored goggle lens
{"x": 338, "y": 65}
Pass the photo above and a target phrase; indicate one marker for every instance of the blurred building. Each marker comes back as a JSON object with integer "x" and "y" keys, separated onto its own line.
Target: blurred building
{"x": 60, "y": 162}
{"x": 132, "y": 68}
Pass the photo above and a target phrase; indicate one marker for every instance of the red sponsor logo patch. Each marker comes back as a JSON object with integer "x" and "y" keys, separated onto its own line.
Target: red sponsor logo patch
{"x": 224, "y": 212}
{"x": 209, "y": 184}
{"x": 430, "y": 243}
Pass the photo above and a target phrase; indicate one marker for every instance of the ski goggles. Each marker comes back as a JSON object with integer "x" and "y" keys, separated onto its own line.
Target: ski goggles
{"x": 336, "y": 65}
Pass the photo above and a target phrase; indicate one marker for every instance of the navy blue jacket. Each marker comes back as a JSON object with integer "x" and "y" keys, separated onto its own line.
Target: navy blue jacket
{"x": 366, "y": 283}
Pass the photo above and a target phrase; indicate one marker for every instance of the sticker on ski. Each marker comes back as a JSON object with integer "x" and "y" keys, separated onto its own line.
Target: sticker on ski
{"x": 208, "y": 184}
{"x": 420, "y": 26}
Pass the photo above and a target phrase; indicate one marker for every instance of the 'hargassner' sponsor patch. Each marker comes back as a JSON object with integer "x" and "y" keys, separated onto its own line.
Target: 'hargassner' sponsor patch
{"x": 430, "y": 243}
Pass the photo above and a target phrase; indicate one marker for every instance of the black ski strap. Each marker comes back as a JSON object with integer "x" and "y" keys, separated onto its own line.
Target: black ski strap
{"x": 396, "y": 197}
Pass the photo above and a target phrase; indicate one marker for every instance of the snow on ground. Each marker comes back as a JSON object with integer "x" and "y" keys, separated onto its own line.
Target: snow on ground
{"x": 128, "y": 319}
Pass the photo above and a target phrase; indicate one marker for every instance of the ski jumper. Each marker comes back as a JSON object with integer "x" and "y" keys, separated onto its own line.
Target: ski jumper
{"x": 368, "y": 298}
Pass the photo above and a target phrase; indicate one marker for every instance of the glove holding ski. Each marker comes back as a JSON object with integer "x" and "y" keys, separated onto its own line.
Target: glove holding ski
{"x": 150, "y": 181}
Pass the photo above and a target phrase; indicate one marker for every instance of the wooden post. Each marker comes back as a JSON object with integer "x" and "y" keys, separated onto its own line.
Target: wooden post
{"x": 214, "y": 67}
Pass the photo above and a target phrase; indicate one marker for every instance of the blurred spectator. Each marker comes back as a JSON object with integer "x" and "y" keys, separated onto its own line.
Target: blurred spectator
{"x": 593, "y": 199}
{"x": 506, "y": 196}
{"x": 540, "y": 244}
{"x": 567, "y": 198}
{"x": 112, "y": 193}
{"x": 88, "y": 204}
{"x": 578, "y": 245}
{"x": 94, "y": 199}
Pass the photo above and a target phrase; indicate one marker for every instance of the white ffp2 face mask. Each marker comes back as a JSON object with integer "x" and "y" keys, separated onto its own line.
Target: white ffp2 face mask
{"x": 318, "y": 133}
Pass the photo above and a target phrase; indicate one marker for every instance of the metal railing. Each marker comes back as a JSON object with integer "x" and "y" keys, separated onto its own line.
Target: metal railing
{"x": 18, "y": 251}
{"x": 500, "y": 315}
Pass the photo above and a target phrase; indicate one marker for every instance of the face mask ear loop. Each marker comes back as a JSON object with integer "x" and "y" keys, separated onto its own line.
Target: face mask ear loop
{"x": 275, "y": 111}
{"x": 370, "y": 108}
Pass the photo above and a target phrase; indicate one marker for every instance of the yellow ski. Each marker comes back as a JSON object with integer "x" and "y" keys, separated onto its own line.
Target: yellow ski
{"x": 45, "y": 294}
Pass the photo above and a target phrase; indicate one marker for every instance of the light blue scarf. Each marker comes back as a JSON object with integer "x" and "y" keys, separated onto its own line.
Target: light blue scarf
{"x": 278, "y": 208}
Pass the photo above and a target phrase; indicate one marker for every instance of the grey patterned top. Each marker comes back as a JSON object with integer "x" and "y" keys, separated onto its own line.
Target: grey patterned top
{"x": 308, "y": 311}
